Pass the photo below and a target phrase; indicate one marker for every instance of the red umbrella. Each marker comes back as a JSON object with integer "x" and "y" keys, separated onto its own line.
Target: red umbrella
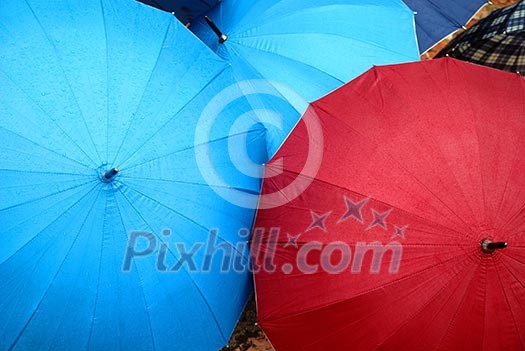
{"x": 400, "y": 240}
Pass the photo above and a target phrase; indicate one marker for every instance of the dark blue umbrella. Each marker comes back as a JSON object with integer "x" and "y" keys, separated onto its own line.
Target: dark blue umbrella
{"x": 185, "y": 10}
{"x": 102, "y": 200}
{"x": 436, "y": 19}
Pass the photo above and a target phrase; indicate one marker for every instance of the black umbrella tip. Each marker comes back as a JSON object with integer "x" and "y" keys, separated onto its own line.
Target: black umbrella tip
{"x": 488, "y": 246}
{"x": 109, "y": 175}
{"x": 222, "y": 37}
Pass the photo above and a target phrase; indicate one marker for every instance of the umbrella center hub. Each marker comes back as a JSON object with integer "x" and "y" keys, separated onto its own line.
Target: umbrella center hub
{"x": 107, "y": 176}
{"x": 488, "y": 246}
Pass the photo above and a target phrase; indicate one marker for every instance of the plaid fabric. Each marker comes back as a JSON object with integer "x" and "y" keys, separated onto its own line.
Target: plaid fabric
{"x": 496, "y": 41}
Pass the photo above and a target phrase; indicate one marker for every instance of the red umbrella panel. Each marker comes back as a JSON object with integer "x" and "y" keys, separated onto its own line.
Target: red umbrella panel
{"x": 410, "y": 235}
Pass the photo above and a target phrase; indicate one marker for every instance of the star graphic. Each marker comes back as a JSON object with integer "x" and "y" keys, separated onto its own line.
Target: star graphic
{"x": 400, "y": 231}
{"x": 292, "y": 240}
{"x": 379, "y": 219}
{"x": 353, "y": 209}
{"x": 318, "y": 221}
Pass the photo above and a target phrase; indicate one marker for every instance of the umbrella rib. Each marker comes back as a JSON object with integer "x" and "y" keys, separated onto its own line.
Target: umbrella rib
{"x": 516, "y": 233}
{"x": 432, "y": 299}
{"x": 186, "y": 218}
{"x": 280, "y": 55}
{"x": 243, "y": 27}
{"x": 244, "y": 257}
{"x": 107, "y": 75}
{"x": 471, "y": 108}
{"x": 420, "y": 28}
{"x": 514, "y": 164}
{"x": 52, "y": 121}
{"x": 247, "y": 14}
{"x": 431, "y": 76}
{"x": 285, "y": 241}
{"x": 401, "y": 167}
{"x": 6, "y": 170}
{"x": 514, "y": 258}
{"x": 76, "y": 281}
{"x": 41, "y": 156}
{"x": 485, "y": 276}
{"x": 65, "y": 76}
{"x": 19, "y": 336}
{"x": 238, "y": 41}
{"x": 508, "y": 305}
{"x": 134, "y": 115}
{"x": 185, "y": 149}
{"x": 37, "y": 185}
{"x": 511, "y": 218}
{"x": 512, "y": 273}
{"x": 197, "y": 184}
{"x": 201, "y": 293}
{"x": 477, "y": 135}
{"x": 415, "y": 230}
{"x": 382, "y": 202}
{"x": 519, "y": 211}
{"x": 47, "y": 196}
{"x": 205, "y": 3}
{"x": 444, "y": 14}
{"x": 281, "y": 191}
{"x": 368, "y": 291}
{"x": 190, "y": 183}
{"x": 174, "y": 116}
{"x": 136, "y": 267}
{"x": 435, "y": 196}
{"x": 523, "y": 286}
{"x": 427, "y": 245}
{"x": 52, "y": 222}
{"x": 95, "y": 304}
{"x": 462, "y": 302}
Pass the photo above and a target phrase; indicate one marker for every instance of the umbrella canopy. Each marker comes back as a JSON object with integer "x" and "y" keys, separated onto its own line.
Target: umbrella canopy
{"x": 185, "y": 10}
{"x": 310, "y": 46}
{"x": 411, "y": 234}
{"x": 496, "y": 41}
{"x": 101, "y": 198}
{"x": 435, "y": 20}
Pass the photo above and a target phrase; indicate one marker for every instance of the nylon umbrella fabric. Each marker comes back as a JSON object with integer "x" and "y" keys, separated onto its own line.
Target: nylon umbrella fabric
{"x": 185, "y": 10}
{"x": 85, "y": 88}
{"x": 411, "y": 234}
{"x": 308, "y": 47}
{"x": 435, "y": 20}
{"x": 496, "y": 41}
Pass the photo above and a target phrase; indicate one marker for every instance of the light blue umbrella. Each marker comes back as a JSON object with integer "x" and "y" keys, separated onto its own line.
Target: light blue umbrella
{"x": 311, "y": 46}
{"x": 87, "y": 87}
